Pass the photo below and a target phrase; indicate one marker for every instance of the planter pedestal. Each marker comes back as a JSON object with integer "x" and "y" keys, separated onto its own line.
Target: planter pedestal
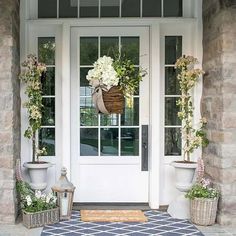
{"x": 38, "y": 174}
{"x": 184, "y": 175}
{"x": 179, "y": 208}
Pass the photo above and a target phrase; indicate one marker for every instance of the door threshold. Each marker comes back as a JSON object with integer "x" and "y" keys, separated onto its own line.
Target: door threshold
{"x": 110, "y": 206}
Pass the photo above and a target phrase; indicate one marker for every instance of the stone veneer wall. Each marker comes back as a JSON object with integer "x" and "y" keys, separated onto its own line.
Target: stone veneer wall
{"x": 9, "y": 107}
{"x": 219, "y": 101}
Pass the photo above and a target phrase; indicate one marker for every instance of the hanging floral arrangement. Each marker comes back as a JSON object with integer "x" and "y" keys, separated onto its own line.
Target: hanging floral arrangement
{"x": 112, "y": 80}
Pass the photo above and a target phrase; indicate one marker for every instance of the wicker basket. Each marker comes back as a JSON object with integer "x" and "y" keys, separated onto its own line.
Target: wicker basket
{"x": 38, "y": 219}
{"x": 114, "y": 100}
{"x": 203, "y": 211}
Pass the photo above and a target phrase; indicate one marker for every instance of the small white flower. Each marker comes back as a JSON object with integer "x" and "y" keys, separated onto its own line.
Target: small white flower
{"x": 38, "y": 194}
{"x": 28, "y": 200}
{"x": 49, "y": 197}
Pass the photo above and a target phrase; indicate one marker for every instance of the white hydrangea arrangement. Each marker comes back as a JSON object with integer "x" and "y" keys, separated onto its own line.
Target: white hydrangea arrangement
{"x": 108, "y": 72}
{"x": 103, "y": 74}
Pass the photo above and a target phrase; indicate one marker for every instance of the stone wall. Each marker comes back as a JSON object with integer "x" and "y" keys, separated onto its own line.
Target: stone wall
{"x": 219, "y": 101}
{"x": 9, "y": 107}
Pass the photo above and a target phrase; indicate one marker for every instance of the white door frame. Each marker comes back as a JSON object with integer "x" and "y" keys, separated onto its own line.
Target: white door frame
{"x": 156, "y": 154}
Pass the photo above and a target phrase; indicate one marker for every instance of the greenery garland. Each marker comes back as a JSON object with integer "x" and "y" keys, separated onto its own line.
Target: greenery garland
{"x": 188, "y": 77}
{"x": 31, "y": 75}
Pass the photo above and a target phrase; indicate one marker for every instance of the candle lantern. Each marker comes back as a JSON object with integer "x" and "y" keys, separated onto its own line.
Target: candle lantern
{"x": 64, "y": 191}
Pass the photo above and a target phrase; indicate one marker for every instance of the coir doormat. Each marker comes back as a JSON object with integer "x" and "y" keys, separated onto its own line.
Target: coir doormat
{"x": 113, "y": 216}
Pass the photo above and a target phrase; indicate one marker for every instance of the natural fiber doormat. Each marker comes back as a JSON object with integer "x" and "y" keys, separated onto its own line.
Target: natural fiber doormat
{"x": 113, "y": 216}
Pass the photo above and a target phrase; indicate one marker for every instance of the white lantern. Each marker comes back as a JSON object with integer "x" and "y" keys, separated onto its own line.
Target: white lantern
{"x": 64, "y": 190}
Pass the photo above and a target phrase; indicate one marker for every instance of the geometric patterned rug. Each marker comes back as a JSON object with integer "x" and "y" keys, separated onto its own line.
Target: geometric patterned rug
{"x": 159, "y": 223}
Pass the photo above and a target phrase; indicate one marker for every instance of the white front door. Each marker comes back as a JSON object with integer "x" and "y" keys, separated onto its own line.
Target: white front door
{"x": 107, "y": 149}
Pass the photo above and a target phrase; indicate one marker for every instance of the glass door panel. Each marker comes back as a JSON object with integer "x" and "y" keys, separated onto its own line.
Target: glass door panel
{"x": 119, "y": 141}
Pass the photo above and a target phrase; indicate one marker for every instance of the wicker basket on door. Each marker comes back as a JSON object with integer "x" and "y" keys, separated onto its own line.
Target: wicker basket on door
{"x": 203, "y": 211}
{"x": 114, "y": 100}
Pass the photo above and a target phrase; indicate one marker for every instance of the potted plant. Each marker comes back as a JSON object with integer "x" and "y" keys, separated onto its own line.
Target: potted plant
{"x": 38, "y": 208}
{"x": 193, "y": 136}
{"x": 31, "y": 76}
{"x": 112, "y": 79}
{"x": 203, "y": 202}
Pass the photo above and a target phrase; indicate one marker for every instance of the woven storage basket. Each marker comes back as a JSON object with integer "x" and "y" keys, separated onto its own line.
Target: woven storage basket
{"x": 203, "y": 211}
{"x": 38, "y": 219}
{"x": 114, "y": 100}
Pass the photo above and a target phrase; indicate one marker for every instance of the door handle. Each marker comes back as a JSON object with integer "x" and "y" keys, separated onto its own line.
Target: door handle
{"x": 144, "y": 166}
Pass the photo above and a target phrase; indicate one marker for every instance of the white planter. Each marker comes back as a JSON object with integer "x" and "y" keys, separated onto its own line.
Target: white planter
{"x": 184, "y": 175}
{"x": 38, "y": 174}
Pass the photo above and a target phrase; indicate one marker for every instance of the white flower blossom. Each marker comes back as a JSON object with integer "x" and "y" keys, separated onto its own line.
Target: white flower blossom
{"x": 28, "y": 200}
{"x": 43, "y": 196}
{"x": 49, "y": 197}
{"x": 38, "y": 194}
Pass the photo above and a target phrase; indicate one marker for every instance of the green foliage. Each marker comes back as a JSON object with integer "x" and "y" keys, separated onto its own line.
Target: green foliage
{"x": 23, "y": 189}
{"x": 34, "y": 201}
{"x": 31, "y": 75}
{"x": 129, "y": 75}
{"x": 188, "y": 78}
{"x": 200, "y": 191}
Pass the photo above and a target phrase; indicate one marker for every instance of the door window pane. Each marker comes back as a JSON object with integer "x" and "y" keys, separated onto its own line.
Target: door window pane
{"x": 88, "y": 142}
{"x": 47, "y": 8}
{"x": 88, "y": 50}
{"x": 110, "y": 8}
{"x": 68, "y": 8}
{"x": 130, "y": 116}
{"x": 129, "y": 141}
{"x": 47, "y": 140}
{"x": 130, "y": 8}
{"x": 109, "y": 46}
{"x": 88, "y": 8}
{"x": 173, "y": 8}
{"x": 48, "y": 114}
{"x": 130, "y": 48}
{"x": 85, "y": 89}
{"x": 171, "y": 110}
{"x": 171, "y": 81}
{"x": 151, "y": 8}
{"x": 46, "y": 50}
{"x": 88, "y": 114}
{"x": 173, "y": 49}
{"x": 48, "y": 83}
{"x": 109, "y": 120}
{"x": 172, "y": 142}
{"x": 109, "y": 142}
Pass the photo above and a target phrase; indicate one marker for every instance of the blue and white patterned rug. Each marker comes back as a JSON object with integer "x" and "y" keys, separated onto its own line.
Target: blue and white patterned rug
{"x": 159, "y": 223}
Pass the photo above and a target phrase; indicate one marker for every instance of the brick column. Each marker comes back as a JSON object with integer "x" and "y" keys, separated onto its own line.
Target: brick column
{"x": 219, "y": 101}
{"x": 9, "y": 107}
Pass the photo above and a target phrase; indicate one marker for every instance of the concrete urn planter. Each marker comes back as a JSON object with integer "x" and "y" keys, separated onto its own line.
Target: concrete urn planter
{"x": 184, "y": 175}
{"x": 38, "y": 174}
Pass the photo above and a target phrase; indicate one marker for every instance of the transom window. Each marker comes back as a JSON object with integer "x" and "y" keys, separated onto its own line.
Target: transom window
{"x": 109, "y": 8}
